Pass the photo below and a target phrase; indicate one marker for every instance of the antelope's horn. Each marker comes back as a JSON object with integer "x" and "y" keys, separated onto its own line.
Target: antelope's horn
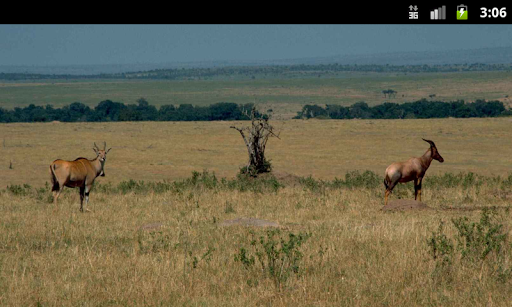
{"x": 104, "y": 145}
{"x": 430, "y": 142}
{"x": 96, "y": 146}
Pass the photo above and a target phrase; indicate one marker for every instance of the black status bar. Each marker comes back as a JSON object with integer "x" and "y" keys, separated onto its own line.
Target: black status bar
{"x": 359, "y": 12}
{"x": 416, "y": 13}
{"x": 458, "y": 14}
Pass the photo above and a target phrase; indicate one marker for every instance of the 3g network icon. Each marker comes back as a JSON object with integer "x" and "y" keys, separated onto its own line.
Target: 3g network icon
{"x": 413, "y": 12}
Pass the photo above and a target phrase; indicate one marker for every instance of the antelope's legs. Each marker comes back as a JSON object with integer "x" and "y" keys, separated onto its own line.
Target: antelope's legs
{"x": 87, "y": 190}
{"x": 415, "y": 189}
{"x": 82, "y": 195}
{"x": 386, "y": 197}
{"x": 56, "y": 194}
{"x": 419, "y": 188}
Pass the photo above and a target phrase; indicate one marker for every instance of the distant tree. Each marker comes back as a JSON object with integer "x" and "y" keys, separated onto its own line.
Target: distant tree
{"x": 337, "y": 112}
{"x": 360, "y": 110}
{"x": 167, "y": 113}
{"x": 312, "y": 111}
{"x": 76, "y": 111}
{"x": 225, "y": 111}
{"x": 146, "y": 111}
{"x": 108, "y": 110}
{"x": 390, "y": 93}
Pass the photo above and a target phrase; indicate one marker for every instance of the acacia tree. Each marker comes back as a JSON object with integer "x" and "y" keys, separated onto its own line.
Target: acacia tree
{"x": 256, "y": 137}
{"x": 389, "y": 92}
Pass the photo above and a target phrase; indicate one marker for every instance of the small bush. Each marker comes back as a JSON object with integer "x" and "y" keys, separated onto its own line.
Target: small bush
{"x": 450, "y": 180}
{"x": 204, "y": 179}
{"x": 477, "y": 243}
{"x": 441, "y": 249}
{"x": 245, "y": 183}
{"x": 130, "y": 185}
{"x": 19, "y": 190}
{"x": 278, "y": 257}
{"x": 367, "y": 180}
{"x": 507, "y": 183}
{"x": 254, "y": 171}
{"x": 229, "y": 208}
{"x": 309, "y": 183}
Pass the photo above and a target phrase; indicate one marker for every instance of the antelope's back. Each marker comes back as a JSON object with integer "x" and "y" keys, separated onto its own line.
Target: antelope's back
{"x": 81, "y": 168}
{"x": 74, "y": 171}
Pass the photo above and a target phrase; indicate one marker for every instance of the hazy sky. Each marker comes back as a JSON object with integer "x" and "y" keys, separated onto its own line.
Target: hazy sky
{"x": 130, "y": 44}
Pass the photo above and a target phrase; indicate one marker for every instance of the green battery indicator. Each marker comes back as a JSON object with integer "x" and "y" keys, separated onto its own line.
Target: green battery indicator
{"x": 462, "y": 12}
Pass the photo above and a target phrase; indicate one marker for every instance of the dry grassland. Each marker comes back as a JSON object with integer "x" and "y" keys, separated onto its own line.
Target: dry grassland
{"x": 323, "y": 149}
{"x": 167, "y": 248}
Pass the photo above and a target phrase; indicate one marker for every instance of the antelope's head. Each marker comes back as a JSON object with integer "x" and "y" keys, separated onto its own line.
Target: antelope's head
{"x": 101, "y": 154}
{"x": 435, "y": 152}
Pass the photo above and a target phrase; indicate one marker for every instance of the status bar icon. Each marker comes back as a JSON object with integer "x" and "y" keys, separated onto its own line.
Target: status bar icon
{"x": 413, "y": 12}
{"x": 462, "y": 12}
{"x": 438, "y": 14}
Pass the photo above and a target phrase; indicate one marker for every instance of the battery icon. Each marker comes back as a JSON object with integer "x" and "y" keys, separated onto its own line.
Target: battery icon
{"x": 462, "y": 12}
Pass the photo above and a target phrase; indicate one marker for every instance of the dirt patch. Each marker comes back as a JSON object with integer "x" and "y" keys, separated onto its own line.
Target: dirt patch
{"x": 404, "y": 205}
{"x": 249, "y": 222}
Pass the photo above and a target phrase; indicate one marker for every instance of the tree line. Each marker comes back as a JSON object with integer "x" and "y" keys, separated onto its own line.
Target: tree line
{"x": 304, "y": 70}
{"x": 251, "y": 72}
{"x": 418, "y": 109}
{"x": 108, "y": 110}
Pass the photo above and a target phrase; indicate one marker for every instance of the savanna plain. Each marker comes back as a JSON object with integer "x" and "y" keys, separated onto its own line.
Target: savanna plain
{"x": 285, "y": 96}
{"x": 158, "y": 230}
{"x": 155, "y": 233}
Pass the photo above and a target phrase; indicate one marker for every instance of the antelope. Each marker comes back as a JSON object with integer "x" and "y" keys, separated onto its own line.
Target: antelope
{"x": 412, "y": 169}
{"x": 78, "y": 173}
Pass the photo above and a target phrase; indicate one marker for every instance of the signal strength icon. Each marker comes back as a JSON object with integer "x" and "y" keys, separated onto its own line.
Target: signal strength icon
{"x": 438, "y": 14}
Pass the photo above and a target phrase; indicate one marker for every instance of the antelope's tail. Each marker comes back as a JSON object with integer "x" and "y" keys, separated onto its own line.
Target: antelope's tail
{"x": 386, "y": 183}
{"x": 55, "y": 182}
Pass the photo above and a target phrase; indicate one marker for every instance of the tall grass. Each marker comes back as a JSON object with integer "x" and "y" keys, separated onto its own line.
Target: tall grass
{"x": 207, "y": 180}
{"x": 162, "y": 243}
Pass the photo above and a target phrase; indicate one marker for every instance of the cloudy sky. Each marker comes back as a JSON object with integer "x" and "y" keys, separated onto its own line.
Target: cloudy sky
{"x": 131, "y": 44}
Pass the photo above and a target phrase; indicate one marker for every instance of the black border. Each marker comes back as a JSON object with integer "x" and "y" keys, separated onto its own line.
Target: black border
{"x": 355, "y": 12}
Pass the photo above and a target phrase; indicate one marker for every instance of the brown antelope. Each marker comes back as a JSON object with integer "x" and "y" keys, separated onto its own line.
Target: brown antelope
{"x": 412, "y": 169}
{"x": 79, "y": 173}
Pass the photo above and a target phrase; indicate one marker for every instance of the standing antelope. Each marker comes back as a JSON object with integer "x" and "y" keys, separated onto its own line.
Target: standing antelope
{"x": 79, "y": 173}
{"x": 412, "y": 169}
